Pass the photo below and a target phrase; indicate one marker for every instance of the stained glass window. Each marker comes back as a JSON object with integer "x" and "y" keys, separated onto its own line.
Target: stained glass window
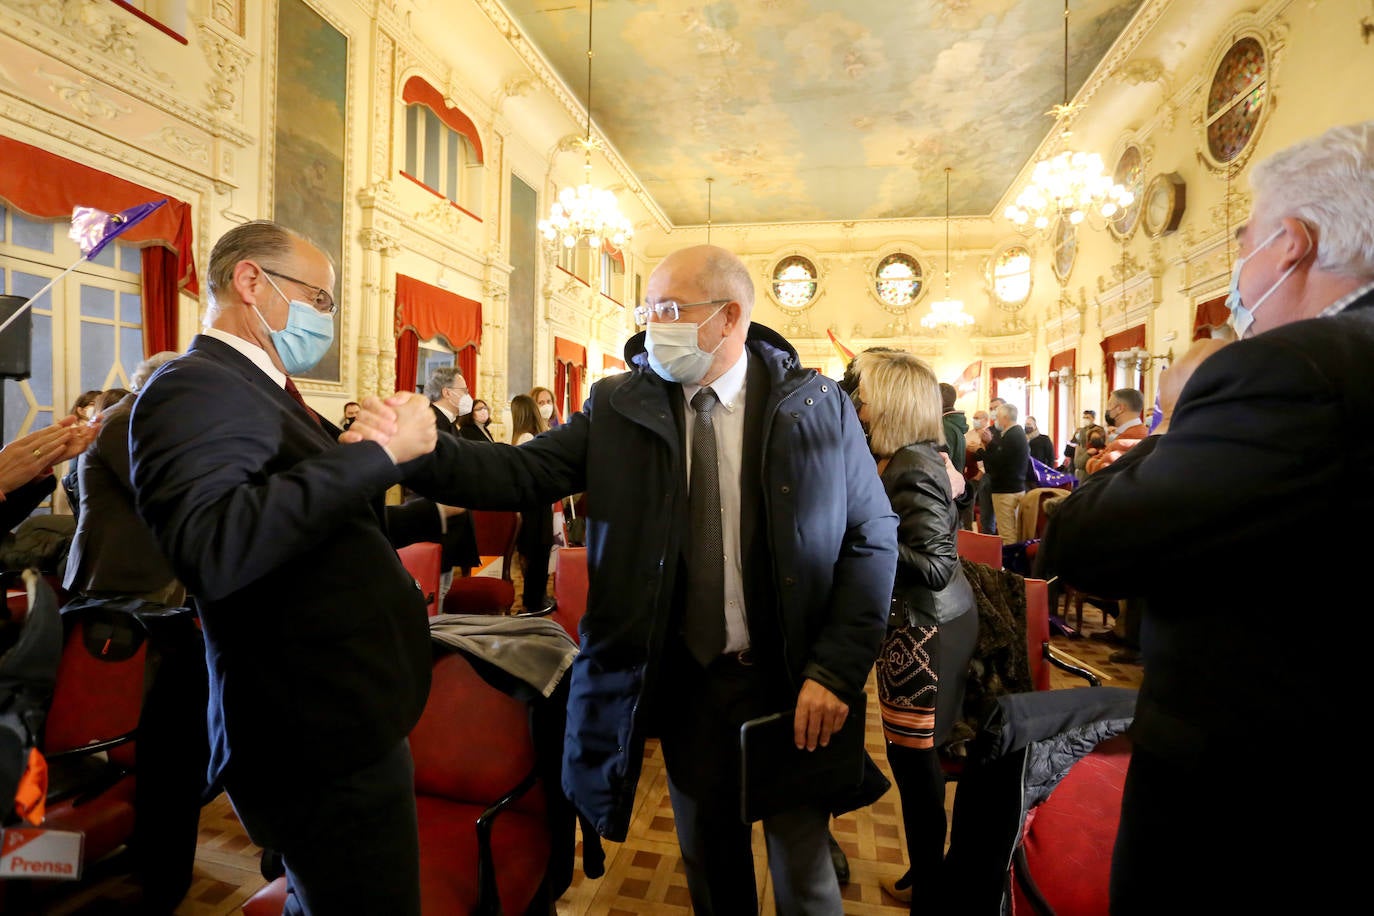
{"x": 794, "y": 281}
{"x": 1130, "y": 174}
{"x": 898, "y": 280}
{"x": 1011, "y": 276}
{"x": 1236, "y": 99}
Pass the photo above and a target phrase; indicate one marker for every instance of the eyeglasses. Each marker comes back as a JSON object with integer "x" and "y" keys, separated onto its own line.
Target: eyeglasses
{"x": 321, "y": 300}
{"x": 668, "y": 309}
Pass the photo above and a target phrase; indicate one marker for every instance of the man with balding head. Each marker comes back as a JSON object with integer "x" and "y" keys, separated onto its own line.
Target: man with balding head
{"x": 1227, "y": 527}
{"x": 741, "y": 554}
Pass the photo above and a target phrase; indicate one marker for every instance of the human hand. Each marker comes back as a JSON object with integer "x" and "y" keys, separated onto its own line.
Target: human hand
{"x": 415, "y": 433}
{"x": 29, "y": 456}
{"x": 375, "y": 422}
{"x": 985, "y": 435}
{"x": 956, "y": 477}
{"x": 819, "y": 715}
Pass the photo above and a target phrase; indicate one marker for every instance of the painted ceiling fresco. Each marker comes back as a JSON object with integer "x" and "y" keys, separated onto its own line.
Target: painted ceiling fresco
{"x": 807, "y": 110}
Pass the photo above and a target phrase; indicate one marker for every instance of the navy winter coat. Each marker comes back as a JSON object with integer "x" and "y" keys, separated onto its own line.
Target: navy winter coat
{"x": 830, "y": 531}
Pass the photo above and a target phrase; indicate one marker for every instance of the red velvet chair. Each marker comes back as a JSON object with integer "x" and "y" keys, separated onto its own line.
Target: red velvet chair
{"x": 980, "y": 548}
{"x": 425, "y": 562}
{"x": 570, "y": 589}
{"x": 485, "y": 841}
{"x": 1062, "y": 866}
{"x": 95, "y": 711}
{"x": 496, "y": 533}
{"x": 484, "y": 831}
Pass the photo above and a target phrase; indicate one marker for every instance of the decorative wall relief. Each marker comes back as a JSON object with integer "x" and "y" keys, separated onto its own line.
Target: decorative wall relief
{"x": 310, "y": 138}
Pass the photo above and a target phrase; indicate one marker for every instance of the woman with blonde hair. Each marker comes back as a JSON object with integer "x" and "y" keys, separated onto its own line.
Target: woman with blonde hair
{"x": 933, "y": 626}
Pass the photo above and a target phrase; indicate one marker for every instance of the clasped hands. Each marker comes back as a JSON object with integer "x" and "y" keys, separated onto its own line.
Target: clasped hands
{"x": 403, "y": 424}
{"x": 30, "y": 456}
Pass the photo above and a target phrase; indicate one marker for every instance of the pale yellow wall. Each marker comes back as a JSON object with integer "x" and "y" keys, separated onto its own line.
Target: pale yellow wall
{"x": 195, "y": 121}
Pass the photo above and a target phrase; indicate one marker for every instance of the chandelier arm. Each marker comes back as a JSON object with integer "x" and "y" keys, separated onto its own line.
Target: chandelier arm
{"x": 1066, "y": 53}
{"x": 590, "y": 4}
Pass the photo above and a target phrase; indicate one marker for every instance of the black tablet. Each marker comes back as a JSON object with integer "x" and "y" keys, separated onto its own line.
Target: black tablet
{"x": 775, "y": 775}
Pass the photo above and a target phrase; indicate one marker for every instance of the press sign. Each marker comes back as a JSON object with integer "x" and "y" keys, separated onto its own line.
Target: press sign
{"x": 28, "y": 852}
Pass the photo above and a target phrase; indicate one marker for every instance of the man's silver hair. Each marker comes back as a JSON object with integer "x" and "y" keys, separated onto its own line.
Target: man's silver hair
{"x": 145, "y": 369}
{"x": 724, "y": 276}
{"x": 1008, "y": 409}
{"x": 439, "y": 379}
{"x": 1328, "y": 183}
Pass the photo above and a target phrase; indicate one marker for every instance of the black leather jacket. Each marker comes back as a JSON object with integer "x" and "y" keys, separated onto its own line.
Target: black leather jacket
{"x": 929, "y": 581}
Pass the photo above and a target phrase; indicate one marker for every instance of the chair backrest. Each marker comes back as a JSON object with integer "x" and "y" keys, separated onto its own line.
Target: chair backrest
{"x": 1063, "y": 865}
{"x": 1038, "y": 631}
{"x": 473, "y": 742}
{"x": 104, "y": 655}
{"x": 980, "y": 548}
{"x": 496, "y": 533}
{"x": 425, "y": 562}
{"x": 570, "y": 588}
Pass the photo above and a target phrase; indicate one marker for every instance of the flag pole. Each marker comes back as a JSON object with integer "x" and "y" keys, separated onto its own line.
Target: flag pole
{"x": 34, "y": 298}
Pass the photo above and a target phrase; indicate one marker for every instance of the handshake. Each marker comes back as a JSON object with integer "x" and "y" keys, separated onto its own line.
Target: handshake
{"x": 403, "y": 424}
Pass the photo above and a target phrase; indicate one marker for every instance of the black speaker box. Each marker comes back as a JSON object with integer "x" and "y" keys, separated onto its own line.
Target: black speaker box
{"x": 16, "y": 341}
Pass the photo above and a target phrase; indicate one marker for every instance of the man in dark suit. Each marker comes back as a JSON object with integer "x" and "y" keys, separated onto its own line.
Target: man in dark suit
{"x": 449, "y": 398}
{"x": 448, "y": 395}
{"x": 1005, "y": 456}
{"x": 315, "y": 634}
{"x": 741, "y": 553}
{"x": 1228, "y": 528}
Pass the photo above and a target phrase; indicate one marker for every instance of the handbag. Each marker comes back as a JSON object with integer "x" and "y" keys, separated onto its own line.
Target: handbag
{"x": 920, "y": 606}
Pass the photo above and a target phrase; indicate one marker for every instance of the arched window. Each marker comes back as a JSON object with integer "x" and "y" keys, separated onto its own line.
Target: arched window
{"x": 794, "y": 282}
{"x": 1010, "y": 276}
{"x": 898, "y": 280}
{"x": 443, "y": 150}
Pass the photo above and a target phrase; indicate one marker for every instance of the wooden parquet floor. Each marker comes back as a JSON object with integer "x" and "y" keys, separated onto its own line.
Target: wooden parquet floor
{"x": 643, "y": 876}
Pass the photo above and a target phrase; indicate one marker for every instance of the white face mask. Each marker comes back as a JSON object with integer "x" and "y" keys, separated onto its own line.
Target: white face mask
{"x": 464, "y": 405}
{"x": 1243, "y": 316}
{"x": 674, "y": 353}
{"x": 546, "y": 410}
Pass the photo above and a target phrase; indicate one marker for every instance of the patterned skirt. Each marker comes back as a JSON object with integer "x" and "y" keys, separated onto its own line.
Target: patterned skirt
{"x": 908, "y": 684}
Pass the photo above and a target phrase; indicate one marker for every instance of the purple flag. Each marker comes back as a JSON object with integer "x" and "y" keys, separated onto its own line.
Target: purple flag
{"x": 1156, "y": 415}
{"x": 1046, "y": 476}
{"x": 93, "y": 229}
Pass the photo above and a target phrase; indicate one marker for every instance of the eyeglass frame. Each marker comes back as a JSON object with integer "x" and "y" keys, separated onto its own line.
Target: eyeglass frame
{"x": 331, "y": 309}
{"x": 643, "y": 312}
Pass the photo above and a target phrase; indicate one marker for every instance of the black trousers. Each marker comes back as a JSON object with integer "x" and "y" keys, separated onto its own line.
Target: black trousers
{"x": 350, "y": 842}
{"x": 700, "y": 741}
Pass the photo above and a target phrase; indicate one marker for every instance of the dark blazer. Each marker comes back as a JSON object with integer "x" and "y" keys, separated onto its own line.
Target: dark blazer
{"x": 113, "y": 551}
{"x": 442, "y": 422}
{"x": 1006, "y": 459}
{"x": 474, "y": 432}
{"x": 24, "y": 498}
{"x": 315, "y": 635}
{"x": 1228, "y": 526}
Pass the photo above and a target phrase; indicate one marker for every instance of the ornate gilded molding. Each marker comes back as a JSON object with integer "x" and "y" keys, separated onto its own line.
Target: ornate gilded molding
{"x": 85, "y": 97}
{"x": 229, "y": 60}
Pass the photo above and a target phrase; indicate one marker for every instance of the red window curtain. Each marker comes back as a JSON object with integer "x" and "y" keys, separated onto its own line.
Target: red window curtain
{"x": 47, "y": 186}
{"x": 1123, "y": 340}
{"x": 1065, "y": 359}
{"x": 427, "y": 312}
{"x": 417, "y": 90}
{"x": 1210, "y": 316}
{"x": 467, "y": 364}
{"x": 407, "y": 359}
{"x": 570, "y": 363}
{"x": 610, "y": 362}
{"x": 995, "y": 376}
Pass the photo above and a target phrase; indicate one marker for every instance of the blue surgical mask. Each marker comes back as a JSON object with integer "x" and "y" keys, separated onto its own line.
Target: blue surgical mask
{"x": 1243, "y": 316}
{"x": 305, "y": 339}
{"x": 674, "y": 353}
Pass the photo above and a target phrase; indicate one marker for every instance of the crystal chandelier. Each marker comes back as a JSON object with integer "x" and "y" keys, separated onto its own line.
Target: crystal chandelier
{"x": 1069, "y": 185}
{"x": 587, "y": 212}
{"x": 946, "y": 312}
